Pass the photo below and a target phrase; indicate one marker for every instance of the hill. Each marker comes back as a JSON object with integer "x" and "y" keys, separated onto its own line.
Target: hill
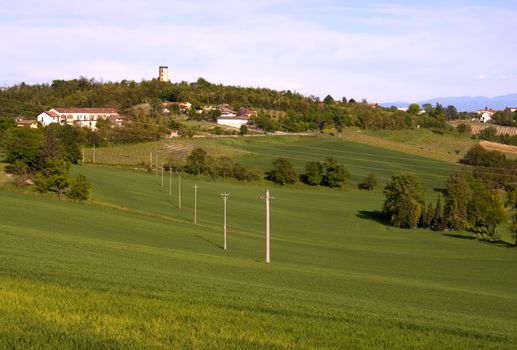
{"x": 130, "y": 270}
{"x": 466, "y": 103}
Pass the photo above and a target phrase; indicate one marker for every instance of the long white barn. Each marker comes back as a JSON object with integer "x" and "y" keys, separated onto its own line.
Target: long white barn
{"x": 81, "y": 117}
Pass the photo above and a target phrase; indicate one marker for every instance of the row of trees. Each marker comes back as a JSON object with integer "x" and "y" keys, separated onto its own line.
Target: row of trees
{"x": 330, "y": 173}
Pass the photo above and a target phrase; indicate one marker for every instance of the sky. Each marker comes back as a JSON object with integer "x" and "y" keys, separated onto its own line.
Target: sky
{"x": 383, "y": 51}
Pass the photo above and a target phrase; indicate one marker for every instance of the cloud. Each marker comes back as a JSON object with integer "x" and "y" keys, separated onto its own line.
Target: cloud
{"x": 377, "y": 51}
{"x": 481, "y": 77}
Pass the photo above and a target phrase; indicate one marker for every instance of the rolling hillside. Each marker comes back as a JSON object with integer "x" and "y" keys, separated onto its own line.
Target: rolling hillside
{"x": 130, "y": 270}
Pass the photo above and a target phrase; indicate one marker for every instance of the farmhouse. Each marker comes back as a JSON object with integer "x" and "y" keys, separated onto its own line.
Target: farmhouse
{"x": 81, "y": 117}
{"x": 485, "y": 115}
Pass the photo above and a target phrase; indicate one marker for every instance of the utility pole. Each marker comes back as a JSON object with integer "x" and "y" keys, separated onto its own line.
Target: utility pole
{"x": 225, "y": 197}
{"x": 179, "y": 191}
{"x": 267, "y": 197}
{"x": 195, "y": 203}
{"x": 170, "y": 180}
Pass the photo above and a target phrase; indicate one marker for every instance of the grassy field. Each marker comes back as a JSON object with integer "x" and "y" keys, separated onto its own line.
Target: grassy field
{"x": 359, "y": 159}
{"x": 421, "y": 142}
{"x": 130, "y": 270}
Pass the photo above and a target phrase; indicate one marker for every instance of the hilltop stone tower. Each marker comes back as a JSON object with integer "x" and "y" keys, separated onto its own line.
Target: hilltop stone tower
{"x": 164, "y": 73}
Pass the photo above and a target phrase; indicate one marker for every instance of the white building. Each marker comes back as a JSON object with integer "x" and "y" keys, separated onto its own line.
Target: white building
{"x": 81, "y": 117}
{"x": 233, "y": 121}
{"x": 485, "y": 115}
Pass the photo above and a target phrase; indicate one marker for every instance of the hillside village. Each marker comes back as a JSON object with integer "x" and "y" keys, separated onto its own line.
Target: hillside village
{"x": 256, "y": 117}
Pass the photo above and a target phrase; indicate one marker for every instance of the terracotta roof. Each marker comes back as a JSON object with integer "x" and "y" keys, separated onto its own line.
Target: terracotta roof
{"x": 85, "y": 110}
{"x": 52, "y": 114}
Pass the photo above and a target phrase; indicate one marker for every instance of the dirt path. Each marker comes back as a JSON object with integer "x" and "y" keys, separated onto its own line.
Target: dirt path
{"x": 494, "y": 146}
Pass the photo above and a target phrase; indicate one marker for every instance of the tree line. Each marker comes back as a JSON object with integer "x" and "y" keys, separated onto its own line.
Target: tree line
{"x": 475, "y": 199}
{"x": 298, "y": 112}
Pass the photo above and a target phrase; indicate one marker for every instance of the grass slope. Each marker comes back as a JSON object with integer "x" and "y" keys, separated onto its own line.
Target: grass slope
{"x": 359, "y": 159}
{"x": 132, "y": 271}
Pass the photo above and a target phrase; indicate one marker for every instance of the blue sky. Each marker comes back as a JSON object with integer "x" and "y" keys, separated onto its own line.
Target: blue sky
{"x": 379, "y": 50}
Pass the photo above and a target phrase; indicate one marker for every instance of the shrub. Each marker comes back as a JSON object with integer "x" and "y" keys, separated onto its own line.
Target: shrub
{"x": 80, "y": 188}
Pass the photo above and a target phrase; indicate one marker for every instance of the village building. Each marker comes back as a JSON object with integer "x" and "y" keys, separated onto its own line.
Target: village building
{"x": 233, "y": 121}
{"x": 29, "y": 123}
{"x": 485, "y": 115}
{"x": 81, "y": 117}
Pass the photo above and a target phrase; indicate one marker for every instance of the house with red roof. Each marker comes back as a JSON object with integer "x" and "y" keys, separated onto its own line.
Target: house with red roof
{"x": 81, "y": 117}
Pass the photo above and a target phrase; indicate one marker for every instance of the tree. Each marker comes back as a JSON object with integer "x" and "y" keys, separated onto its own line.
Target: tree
{"x": 197, "y": 162}
{"x": 513, "y": 227}
{"x": 282, "y": 173}
{"x": 369, "y": 183}
{"x": 53, "y": 176}
{"x": 489, "y": 134}
{"x": 438, "y": 214}
{"x": 414, "y": 109}
{"x": 451, "y": 113}
{"x": 334, "y": 173}
{"x": 313, "y": 173}
{"x": 464, "y": 129}
{"x": 80, "y": 188}
{"x": 404, "y": 200}
{"x": 328, "y": 100}
{"x": 511, "y": 195}
{"x": 6, "y": 123}
{"x": 427, "y": 218}
{"x": 485, "y": 210}
{"x": 23, "y": 144}
{"x": 458, "y": 196}
{"x": 243, "y": 130}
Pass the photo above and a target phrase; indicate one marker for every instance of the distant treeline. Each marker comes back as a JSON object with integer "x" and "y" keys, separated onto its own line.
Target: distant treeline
{"x": 299, "y": 113}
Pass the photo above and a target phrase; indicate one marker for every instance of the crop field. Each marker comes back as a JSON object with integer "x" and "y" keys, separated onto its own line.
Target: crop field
{"x": 129, "y": 269}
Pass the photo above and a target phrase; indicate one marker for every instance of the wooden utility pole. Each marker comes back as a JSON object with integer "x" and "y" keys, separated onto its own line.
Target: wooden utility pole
{"x": 179, "y": 191}
{"x": 267, "y": 197}
{"x": 195, "y": 203}
{"x": 225, "y": 197}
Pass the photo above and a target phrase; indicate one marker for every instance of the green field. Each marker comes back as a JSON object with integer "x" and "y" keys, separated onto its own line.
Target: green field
{"x": 130, "y": 270}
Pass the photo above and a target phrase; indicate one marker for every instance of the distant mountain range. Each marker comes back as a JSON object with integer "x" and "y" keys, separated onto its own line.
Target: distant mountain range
{"x": 466, "y": 103}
